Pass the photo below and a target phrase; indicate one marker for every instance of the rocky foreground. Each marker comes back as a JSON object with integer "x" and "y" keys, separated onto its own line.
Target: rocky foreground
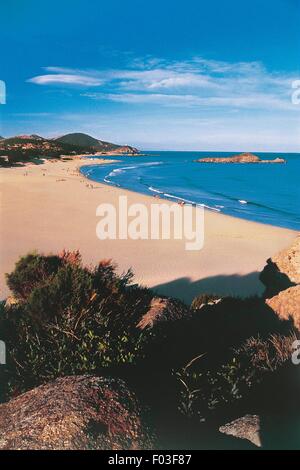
{"x": 241, "y": 158}
{"x": 79, "y": 412}
{"x": 89, "y": 412}
{"x": 281, "y": 277}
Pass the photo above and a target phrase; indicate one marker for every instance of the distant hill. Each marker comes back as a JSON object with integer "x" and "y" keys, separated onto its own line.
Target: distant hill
{"x": 84, "y": 140}
{"x": 36, "y": 137}
{"x": 31, "y": 136}
{"x": 25, "y": 147}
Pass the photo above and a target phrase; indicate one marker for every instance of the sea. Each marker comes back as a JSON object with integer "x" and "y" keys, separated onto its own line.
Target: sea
{"x": 266, "y": 193}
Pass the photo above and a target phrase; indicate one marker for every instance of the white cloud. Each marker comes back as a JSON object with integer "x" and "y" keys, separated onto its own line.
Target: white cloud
{"x": 258, "y": 101}
{"x": 66, "y": 79}
{"x": 197, "y": 82}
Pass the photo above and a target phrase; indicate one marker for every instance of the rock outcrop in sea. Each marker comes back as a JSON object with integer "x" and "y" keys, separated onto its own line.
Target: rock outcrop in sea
{"x": 241, "y": 158}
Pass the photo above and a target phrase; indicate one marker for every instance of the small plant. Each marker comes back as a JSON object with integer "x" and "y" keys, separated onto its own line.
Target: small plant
{"x": 189, "y": 393}
{"x": 267, "y": 355}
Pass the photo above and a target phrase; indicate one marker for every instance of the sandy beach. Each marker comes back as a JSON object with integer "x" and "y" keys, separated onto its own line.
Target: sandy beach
{"x": 49, "y": 207}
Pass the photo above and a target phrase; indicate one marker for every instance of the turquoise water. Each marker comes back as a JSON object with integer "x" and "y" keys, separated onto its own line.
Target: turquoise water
{"x": 264, "y": 193}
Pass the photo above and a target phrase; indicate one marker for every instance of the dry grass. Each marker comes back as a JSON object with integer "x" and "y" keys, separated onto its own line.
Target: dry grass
{"x": 268, "y": 354}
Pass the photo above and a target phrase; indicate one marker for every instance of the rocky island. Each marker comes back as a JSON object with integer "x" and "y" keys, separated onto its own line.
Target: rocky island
{"x": 240, "y": 158}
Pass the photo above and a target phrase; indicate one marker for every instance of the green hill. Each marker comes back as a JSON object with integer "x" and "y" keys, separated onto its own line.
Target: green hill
{"x": 79, "y": 139}
{"x": 25, "y": 147}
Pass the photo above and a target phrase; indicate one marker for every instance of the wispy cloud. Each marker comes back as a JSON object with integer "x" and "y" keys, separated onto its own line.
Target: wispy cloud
{"x": 195, "y": 82}
{"x": 255, "y": 101}
{"x": 66, "y": 79}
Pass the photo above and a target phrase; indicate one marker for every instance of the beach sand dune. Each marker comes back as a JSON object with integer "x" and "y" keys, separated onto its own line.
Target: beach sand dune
{"x": 51, "y": 206}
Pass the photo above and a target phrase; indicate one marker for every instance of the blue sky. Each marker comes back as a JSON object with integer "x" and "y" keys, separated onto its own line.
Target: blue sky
{"x": 185, "y": 75}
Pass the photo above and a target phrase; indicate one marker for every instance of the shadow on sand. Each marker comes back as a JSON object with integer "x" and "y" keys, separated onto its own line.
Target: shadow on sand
{"x": 234, "y": 285}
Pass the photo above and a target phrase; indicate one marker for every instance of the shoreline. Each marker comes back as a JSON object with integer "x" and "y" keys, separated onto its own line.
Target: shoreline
{"x": 52, "y": 206}
{"x": 176, "y": 199}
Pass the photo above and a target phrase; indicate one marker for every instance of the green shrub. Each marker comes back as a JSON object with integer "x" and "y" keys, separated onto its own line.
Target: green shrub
{"x": 70, "y": 319}
{"x": 31, "y": 271}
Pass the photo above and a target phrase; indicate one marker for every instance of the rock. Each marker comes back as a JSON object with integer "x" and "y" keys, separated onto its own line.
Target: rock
{"x": 274, "y": 160}
{"x": 247, "y": 427}
{"x": 128, "y": 149}
{"x": 286, "y": 305}
{"x": 281, "y": 277}
{"x": 282, "y": 270}
{"x": 241, "y": 158}
{"x": 163, "y": 309}
{"x": 76, "y": 412}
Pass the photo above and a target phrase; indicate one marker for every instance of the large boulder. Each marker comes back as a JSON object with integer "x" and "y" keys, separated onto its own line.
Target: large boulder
{"x": 281, "y": 277}
{"x": 282, "y": 270}
{"x": 76, "y": 412}
{"x": 286, "y": 305}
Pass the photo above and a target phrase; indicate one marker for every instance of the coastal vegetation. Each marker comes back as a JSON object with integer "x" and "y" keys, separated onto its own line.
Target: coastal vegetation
{"x": 24, "y": 148}
{"x": 69, "y": 319}
{"x": 211, "y": 359}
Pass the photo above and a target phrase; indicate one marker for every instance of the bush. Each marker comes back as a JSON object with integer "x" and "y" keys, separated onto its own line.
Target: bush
{"x": 70, "y": 319}
{"x": 30, "y": 272}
